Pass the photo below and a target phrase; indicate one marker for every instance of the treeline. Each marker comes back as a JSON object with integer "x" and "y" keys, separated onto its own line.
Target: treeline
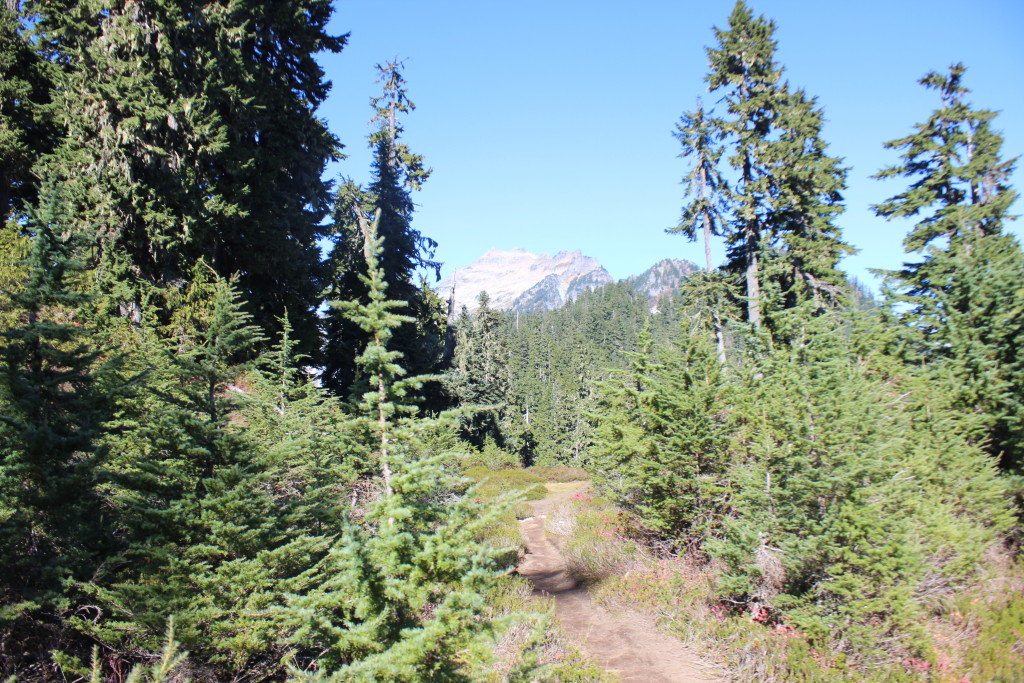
{"x": 167, "y": 453}
{"x": 539, "y": 370}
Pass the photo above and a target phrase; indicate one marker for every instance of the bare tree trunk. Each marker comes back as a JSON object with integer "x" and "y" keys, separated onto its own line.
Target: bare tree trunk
{"x": 719, "y": 335}
{"x": 382, "y": 423}
{"x": 753, "y": 286}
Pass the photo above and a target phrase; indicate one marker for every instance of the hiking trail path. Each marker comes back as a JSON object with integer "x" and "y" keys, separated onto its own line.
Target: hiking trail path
{"x": 624, "y": 644}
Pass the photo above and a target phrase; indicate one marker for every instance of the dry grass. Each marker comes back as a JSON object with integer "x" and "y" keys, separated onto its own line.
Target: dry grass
{"x": 560, "y": 487}
{"x": 979, "y": 631}
{"x": 587, "y": 532}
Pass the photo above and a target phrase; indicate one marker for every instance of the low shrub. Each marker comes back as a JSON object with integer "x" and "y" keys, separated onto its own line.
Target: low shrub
{"x": 493, "y": 482}
{"x": 978, "y": 635}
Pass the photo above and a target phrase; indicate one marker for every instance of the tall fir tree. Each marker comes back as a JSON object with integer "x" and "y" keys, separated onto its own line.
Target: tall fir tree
{"x": 397, "y": 172}
{"x": 787, "y": 189}
{"x": 808, "y": 199}
{"x": 704, "y": 183}
{"x": 964, "y": 298}
{"x": 743, "y": 64}
{"x": 706, "y": 186}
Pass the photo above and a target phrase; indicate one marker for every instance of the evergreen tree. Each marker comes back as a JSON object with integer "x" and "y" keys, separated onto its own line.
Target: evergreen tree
{"x": 57, "y": 391}
{"x": 14, "y": 250}
{"x": 196, "y": 502}
{"x": 397, "y": 172}
{"x": 959, "y": 178}
{"x": 301, "y": 426}
{"x": 964, "y": 297}
{"x": 25, "y": 130}
{"x": 705, "y": 185}
{"x": 404, "y": 587}
{"x": 853, "y": 496}
{"x": 808, "y": 200}
{"x": 660, "y": 444}
{"x": 234, "y": 478}
{"x": 479, "y": 375}
{"x": 384, "y": 387}
{"x": 744, "y": 64}
{"x": 191, "y": 132}
{"x": 787, "y": 189}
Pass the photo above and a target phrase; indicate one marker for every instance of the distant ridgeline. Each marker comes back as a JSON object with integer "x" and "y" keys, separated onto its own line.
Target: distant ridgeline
{"x": 526, "y": 282}
{"x": 538, "y": 350}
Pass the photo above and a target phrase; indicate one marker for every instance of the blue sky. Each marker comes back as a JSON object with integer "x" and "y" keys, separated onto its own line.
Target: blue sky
{"x": 548, "y": 124}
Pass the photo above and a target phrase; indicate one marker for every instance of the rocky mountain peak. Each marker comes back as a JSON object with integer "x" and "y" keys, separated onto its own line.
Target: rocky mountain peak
{"x": 661, "y": 279}
{"x": 523, "y": 280}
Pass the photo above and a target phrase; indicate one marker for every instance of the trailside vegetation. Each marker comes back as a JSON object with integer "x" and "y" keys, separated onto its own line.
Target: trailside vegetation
{"x": 173, "y": 476}
{"x": 846, "y": 467}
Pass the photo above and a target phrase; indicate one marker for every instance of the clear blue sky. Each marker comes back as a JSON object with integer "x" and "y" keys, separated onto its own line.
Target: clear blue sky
{"x": 548, "y": 123}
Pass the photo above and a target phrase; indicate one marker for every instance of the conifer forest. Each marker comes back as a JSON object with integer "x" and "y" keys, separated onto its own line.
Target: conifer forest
{"x": 243, "y": 437}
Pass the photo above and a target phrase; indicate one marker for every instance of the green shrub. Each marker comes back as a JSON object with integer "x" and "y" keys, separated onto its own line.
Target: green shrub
{"x": 493, "y": 482}
{"x": 997, "y": 653}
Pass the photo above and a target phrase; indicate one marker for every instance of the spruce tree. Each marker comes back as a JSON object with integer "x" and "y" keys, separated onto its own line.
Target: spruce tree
{"x": 14, "y": 250}
{"x": 383, "y": 389}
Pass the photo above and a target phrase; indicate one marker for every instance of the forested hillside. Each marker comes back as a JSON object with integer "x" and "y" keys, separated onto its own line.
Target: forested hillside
{"x": 235, "y": 419}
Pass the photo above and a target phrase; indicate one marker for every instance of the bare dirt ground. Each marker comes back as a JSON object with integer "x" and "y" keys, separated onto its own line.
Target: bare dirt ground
{"x": 626, "y": 645}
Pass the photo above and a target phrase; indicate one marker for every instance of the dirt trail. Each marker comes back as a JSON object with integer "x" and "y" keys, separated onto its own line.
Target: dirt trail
{"x": 625, "y": 645}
